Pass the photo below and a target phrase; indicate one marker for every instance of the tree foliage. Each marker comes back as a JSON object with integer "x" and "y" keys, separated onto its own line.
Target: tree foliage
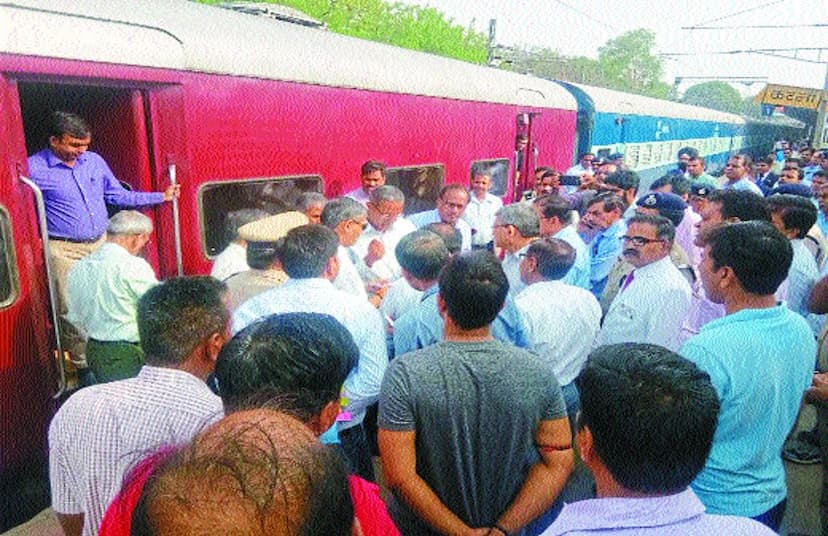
{"x": 407, "y": 26}
{"x": 717, "y": 95}
{"x": 625, "y": 63}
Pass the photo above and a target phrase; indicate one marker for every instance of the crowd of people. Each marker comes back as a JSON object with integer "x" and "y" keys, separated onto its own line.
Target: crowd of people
{"x": 666, "y": 339}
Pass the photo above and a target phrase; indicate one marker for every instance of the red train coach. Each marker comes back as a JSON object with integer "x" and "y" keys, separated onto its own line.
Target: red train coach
{"x": 244, "y": 112}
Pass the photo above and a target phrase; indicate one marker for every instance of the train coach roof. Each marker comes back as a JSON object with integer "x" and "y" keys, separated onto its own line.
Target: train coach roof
{"x": 610, "y": 101}
{"x": 182, "y": 35}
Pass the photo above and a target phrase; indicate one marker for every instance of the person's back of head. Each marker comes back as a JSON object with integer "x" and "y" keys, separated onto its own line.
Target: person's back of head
{"x": 795, "y": 212}
{"x": 306, "y": 250}
{"x": 128, "y": 222}
{"x": 522, "y": 217}
{"x": 294, "y": 362}
{"x": 742, "y": 205}
{"x": 554, "y": 206}
{"x": 180, "y": 314}
{"x": 450, "y": 234}
{"x": 422, "y": 254}
{"x": 239, "y": 218}
{"x": 553, "y": 257}
{"x": 473, "y": 286}
{"x": 756, "y": 252}
{"x": 253, "y": 472}
{"x": 650, "y": 414}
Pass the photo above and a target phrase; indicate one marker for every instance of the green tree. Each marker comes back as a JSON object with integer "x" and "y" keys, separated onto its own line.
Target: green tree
{"x": 629, "y": 64}
{"x": 412, "y": 27}
{"x": 717, "y": 95}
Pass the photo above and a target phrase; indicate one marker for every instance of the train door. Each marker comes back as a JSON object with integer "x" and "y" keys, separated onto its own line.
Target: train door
{"x": 526, "y": 154}
{"x": 29, "y": 377}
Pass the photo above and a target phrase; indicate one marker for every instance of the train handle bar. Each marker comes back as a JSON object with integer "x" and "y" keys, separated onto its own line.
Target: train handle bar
{"x": 47, "y": 260}
{"x": 179, "y": 262}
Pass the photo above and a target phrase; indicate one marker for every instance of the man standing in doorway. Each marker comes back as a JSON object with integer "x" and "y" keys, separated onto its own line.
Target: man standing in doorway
{"x": 77, "y": 186}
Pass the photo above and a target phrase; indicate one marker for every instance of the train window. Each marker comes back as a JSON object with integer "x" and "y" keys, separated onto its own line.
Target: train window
{"x": 498, "y": 169}
{"x": 8, "y": 271}
{"x": 218, "y": 199}
{"x": 420, "y": 184}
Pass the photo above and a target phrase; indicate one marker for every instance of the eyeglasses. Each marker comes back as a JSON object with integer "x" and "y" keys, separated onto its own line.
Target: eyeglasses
{"x": 639, "y": 240}
{"x": 363, "y": 224}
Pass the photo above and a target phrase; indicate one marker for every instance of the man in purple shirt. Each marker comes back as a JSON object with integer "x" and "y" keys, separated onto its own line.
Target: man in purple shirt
{"x": 77, "y": 186}
{"x": 638, "y": 402}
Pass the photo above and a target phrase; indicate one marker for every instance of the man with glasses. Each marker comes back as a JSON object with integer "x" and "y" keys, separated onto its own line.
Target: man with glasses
{"x": 347, "y": 218}
{"x": 736, "y": 172}
{"x": 451, "y": 204}
{"x": 386, "y": 227}
{"x": 655, "y": 296}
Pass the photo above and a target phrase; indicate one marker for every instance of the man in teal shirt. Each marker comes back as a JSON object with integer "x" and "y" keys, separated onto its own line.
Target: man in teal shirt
{"x": 760, "y": 358}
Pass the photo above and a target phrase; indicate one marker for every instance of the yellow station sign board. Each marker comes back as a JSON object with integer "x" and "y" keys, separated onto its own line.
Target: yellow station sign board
{"x": 795, "y": 97}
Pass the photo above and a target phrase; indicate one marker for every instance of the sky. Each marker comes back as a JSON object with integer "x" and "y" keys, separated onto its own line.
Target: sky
{"x": 579, "y": 28}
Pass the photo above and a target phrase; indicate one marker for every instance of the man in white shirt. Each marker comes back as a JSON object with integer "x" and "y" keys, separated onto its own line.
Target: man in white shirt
{"x": 386, "y": 226}
{"x": 451, "y": 203}
{"x": 308, "y": 256}
{"x": 584, "y": 165}
{"x": 372, "y": 175}
{"x": 102, "y": 431}
{"x": 655, "y": 296}
{"x": 480, "y": 212}
{"x": 102, "y": 293}
{"x": 516, "y": 226}
{"x": 561, "y": 320}
{"x": 233, "y": 258}
{"x": 348, "y": 219}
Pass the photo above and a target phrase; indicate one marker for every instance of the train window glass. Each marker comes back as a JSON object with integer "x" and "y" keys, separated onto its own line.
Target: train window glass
{"x": 420, "y": 184}
{"x": 498, "y": 169}
{"x": 218, "y": 199}
{"x": 8, "y": 272}
{"x": 646, "y": 155}
{"x": 631, "y": 155}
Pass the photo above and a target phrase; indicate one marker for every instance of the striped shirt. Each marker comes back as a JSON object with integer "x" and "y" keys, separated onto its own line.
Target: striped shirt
{"x": 103, "y": 431}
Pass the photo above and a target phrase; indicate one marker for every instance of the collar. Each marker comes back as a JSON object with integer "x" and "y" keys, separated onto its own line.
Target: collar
{"x": 168, "y": 375}
{"x": 654, "y": 267}
{"x": 628, "y": 513}
{"x": 746, "y": 315}
{"x": 52, "y": 160}
{"x": 309, "y": 283}
{"x": 430, "y": 291}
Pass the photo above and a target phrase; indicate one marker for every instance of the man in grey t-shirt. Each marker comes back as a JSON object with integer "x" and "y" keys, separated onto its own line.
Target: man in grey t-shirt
{"x": 473, "y": 432}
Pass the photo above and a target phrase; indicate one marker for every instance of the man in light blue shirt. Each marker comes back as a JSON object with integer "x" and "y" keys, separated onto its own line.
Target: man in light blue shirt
{"x": 736, "y": 172}
{"x": 309, "y": 257}
{"x": 556, "y": 222}
{"x": 760, "y": 358}
{"x": 639, "y": 402}
{"x": 604, "y": 214}
{"x": 422, "y": 254}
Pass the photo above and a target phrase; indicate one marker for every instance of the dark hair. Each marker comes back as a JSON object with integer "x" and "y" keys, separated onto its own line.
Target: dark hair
{"x": 652, "y": 415}
{"x": 422, "y": 254}
{"x": 267, "y": 472}
{"x": 796, "y": 212}
{"x": 449, "y": 233}
{"x": 665, "y": 230}
{"x": 769, "y": 160}
{"x": 554, "y": 205}
{"x": 759, "y": 255}
{"x": 61, "y": 123}
{"x": 474, "y": 288}
{"x": 692, "y": 152}
{"x": 624, "y": 178}
{"x": 661, "y": 182}
{"x": 609, "y": 202}
{"x": 555, "y": 257}
{"x": 681, "y": 184}
{"x": 260, "y": 255}
{"x": 743, "y": 205}
{"x": 179, "y": 314}
{"x": 295, "y": 362}
{"x": 454, "y": 186}
{"x": 371, "y": 166}
{"x": 306, "y": 251}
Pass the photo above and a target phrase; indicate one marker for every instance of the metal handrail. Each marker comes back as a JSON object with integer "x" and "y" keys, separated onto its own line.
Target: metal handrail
{"x": 179, "y": 260}
{"x": 47, "y": 259}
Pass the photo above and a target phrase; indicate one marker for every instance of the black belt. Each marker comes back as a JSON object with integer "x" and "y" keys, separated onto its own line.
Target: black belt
{"x": 77, "y": 240}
